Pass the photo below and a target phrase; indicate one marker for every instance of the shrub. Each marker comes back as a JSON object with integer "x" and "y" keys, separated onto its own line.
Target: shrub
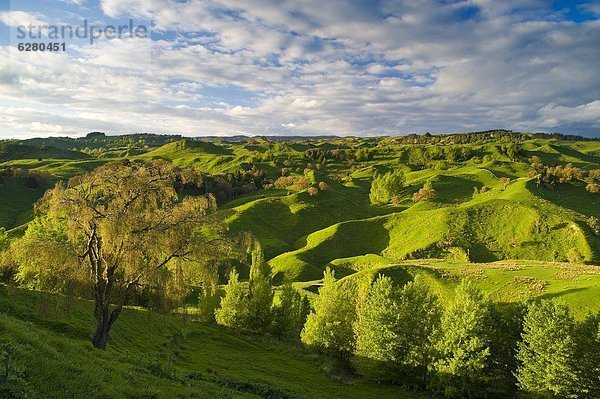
{"x": 425, "y": 194}
{"x": 312, "y": 191}
{"x": 593, "y": 188}
{"x": 323, "y": 186}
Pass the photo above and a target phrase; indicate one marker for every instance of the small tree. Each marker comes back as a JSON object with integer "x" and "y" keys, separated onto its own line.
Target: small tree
{"x": 313, "y": 191}
{"x": 462, "y": 344}
{"x": 419, "y": 317}
{"x": 234, "y": 308}
{"x": 290, "y": 314}
{"x": 377, "y": 331}
{"x": 593, "y": 188}
{"x": 504, "y": 182}
{"x": 548, "y": 367}
{"x": 329, "y": 326}
{"x": 323, "y": 186}
{"x": 425, "y": 194}
{"x": 385, "y": 186}
{"x": 260, "y": 297}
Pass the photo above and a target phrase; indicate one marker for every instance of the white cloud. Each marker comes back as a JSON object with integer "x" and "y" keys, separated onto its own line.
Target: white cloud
{"x": 315, "y": 67}
{"x": 553, "y": 115}
{"x": 21, "y": 18}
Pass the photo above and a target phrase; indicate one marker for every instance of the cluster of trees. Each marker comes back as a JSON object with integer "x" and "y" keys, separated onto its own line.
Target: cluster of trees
{"x": 231, "y": 185}
{"x": 251, "y": 307}
{"x": 297, "y": 182}
{"x": 469, "y": 348}
{"x": 385, "y": 186}
{"x": 551, "y": 176}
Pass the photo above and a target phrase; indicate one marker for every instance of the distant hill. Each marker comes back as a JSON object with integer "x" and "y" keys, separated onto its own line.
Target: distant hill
{"x": 10, "y": 150}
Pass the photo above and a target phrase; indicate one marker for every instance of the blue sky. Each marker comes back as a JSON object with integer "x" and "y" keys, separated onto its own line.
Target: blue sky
{"x": 372, "y": 67}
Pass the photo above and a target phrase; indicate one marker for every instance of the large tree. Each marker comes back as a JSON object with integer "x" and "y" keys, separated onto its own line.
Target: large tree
{"x": 329, "y": 326}
{"x": 129, "y": 225}
{"x": 462, "y": 344}
{"x": 392, "y": 330}
{"x": 548, "y": 366}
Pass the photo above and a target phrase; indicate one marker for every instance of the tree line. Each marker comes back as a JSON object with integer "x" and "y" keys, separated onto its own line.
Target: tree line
{"x": 402, "y": 335}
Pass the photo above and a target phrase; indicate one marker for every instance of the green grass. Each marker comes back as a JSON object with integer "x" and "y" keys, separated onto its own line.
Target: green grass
{"x": 511, "y": 224}
{"x": 159, "y": 356}
{"x": 504, "y": 281}
{"x": 16, "y": 206}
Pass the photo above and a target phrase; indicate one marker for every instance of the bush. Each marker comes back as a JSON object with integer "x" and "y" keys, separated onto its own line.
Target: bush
{"x": 313, "y": 191}
{"x": 425, "y": 194}
{"x": 593, "y": 188}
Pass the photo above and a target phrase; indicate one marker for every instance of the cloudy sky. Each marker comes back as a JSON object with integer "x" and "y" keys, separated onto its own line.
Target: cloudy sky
{"x": 304, "y": 67}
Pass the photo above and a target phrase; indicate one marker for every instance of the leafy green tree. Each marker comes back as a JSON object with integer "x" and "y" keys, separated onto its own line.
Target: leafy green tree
{"x": 385, "y": 186}
{"x": 377, "y": 331}
{"x": 393, "y": 329}
{"x": 548, "y": 366}
{"x": 290, "y": 314}
{"x": 127, "y": 225}
{"x": 234, "y": 304}
{"x": 419, "y": 316}
{"x": 56, "y": 265}
{"x": 260, "y": 298}
{"x": 587, "y": 336}
{"x": 329, "y": 326}
{"x": 462, "y": 344}
{"x": 362, "y": 154}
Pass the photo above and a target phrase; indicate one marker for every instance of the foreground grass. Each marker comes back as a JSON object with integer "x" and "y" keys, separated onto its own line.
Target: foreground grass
{"x": 159, "y": 356}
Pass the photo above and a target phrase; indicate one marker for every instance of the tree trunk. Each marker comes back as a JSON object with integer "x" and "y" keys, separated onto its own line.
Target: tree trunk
{"x": 100, "y": 337}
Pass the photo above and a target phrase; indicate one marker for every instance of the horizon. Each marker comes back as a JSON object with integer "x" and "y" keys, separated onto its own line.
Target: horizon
{"x": 346, "y": 68}
{"x": 301, "y": 137}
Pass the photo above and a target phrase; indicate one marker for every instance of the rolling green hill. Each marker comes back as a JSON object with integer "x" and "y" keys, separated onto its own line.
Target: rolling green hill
{"x": 306, "y": 200}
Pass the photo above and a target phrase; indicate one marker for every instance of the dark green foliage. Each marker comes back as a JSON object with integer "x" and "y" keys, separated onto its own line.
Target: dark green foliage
{"x": 261, "y": 390}
{"x": 209, "y": 301}
{"x": 587, "y": 336}
{"x": 12, "y": 383}
{"x": 548, "y": 367}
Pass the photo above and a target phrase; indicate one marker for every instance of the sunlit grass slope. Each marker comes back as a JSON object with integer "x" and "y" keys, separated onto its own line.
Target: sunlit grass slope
{"x": 503, "y": 281}
{"x": 510, "y": 224}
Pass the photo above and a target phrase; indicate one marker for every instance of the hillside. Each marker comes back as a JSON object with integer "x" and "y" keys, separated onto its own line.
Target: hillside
{"x": 159, "y": 356}
{"x": 516, "y": 214}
